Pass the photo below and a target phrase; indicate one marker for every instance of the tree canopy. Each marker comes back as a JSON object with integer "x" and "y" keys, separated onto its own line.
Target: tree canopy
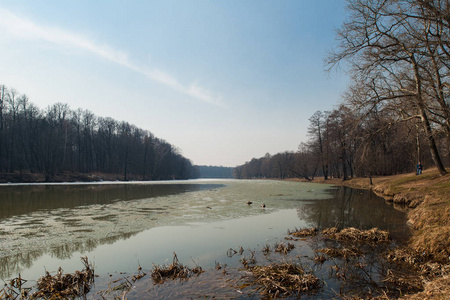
{"x": 395, "y": 112}
{"x": 59, "y": 139}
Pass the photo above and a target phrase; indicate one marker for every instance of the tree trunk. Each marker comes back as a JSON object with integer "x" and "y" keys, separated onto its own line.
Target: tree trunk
{"x": 344, "y": 165}
{"x": 425, "y": 121}
{"x": 431, "y": 142}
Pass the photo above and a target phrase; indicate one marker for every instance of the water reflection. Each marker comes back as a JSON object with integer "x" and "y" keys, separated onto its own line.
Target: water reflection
{"x": 14, "y": 264}
{"x": 24, "y": 199}
{"x": 355, "y": 208}
{"x": 63, "y": 220}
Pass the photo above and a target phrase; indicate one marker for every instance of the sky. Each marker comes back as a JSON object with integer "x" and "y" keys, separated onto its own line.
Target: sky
{"x": 223, "y": 81}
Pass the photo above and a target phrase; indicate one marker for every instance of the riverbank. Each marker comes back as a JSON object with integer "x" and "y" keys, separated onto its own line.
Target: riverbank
{"x": 426, "y": 200}
{"x": 28, "y": 177}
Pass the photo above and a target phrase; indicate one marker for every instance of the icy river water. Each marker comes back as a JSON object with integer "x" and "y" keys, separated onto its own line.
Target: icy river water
{"x": 120, "y": 226}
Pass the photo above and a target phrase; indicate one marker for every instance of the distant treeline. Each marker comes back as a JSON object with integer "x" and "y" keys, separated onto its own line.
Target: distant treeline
{"x": 396, "y": 110}
{"x": 215, "y": 172}
{"x": 58, "y": 139}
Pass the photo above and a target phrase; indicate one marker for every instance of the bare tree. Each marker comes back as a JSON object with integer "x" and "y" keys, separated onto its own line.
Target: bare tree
{"x": 379, "y": 44}
{"x": 318, "y": 133}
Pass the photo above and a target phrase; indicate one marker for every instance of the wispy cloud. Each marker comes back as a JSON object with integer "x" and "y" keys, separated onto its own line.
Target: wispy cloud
{"x": 26, "y": 29}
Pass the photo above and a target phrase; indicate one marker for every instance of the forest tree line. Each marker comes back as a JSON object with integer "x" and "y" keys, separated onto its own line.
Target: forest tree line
{"x": 215, "y": 172}
{"x": 395, "y": 112}
{"x": 58, "y": 139}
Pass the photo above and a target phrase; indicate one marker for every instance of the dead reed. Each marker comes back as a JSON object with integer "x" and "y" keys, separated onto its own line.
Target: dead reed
{"x": 266, "y": 249}
{"x": 283, "y": 248}
{"x": 139, "y": 275}
{"x": 370, "y": 236}
{"x": 403, "y": 255}
{"x": 319, "y": 258}
{"x": 66, "y": 285}
{"x": 304, "y": 232}
{"x": 14, "y": 289}
{"x": 249, "y": 261}
{"x": 286, "y": 279}
{"x": 431, "y": 270}
{"x": 407, "y": 283}
{"x": 340, "y": 252}
{"x": 231, "y": 252}
{"x": 173, "y": 271}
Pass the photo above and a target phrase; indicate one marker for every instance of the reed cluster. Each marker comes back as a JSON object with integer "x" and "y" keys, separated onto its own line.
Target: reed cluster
{"x": 285, "y": 279}
{"x": 175, "y": 270}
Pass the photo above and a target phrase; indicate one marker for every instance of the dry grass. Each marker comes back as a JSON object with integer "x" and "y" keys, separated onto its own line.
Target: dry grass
{"x": 403, "y": 255}
{"x": 437, "y": 289}
{"x": 231, "y": 252}
{"x": 247, "y": 262}
{"x": 14, "y": 289}
{"x": 319, "y": 258}
{"x": 304, "y": 232}
{"x": 66, "y": 285}
{"x": 173, "y": 271}
{"x": 430, "y": 217}
{"x": 340, "y": 252}
{"x": 406, "y": 282}
{"x": 59, "y": 286}
{"x": 286, "y": 279}
{"x": 283, "y": 248}
{"x": 266, "y": 249}
{"x": 372, "y": 236}
{"x": 428, "y": 202}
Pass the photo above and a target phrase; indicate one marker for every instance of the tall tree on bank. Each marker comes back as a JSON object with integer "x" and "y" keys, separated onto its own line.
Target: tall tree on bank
{"x": 382, "y": 44}
{"x": 319, "y": 139}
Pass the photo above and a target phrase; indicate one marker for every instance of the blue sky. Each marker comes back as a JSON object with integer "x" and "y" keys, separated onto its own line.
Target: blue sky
{"x": 224, "y": 81}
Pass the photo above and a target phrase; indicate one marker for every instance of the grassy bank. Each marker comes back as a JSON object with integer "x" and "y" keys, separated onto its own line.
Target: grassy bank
{"x": 426, "y": 199}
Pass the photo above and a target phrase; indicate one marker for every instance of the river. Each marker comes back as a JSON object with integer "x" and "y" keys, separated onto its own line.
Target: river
{"x": 121, "y": 226}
